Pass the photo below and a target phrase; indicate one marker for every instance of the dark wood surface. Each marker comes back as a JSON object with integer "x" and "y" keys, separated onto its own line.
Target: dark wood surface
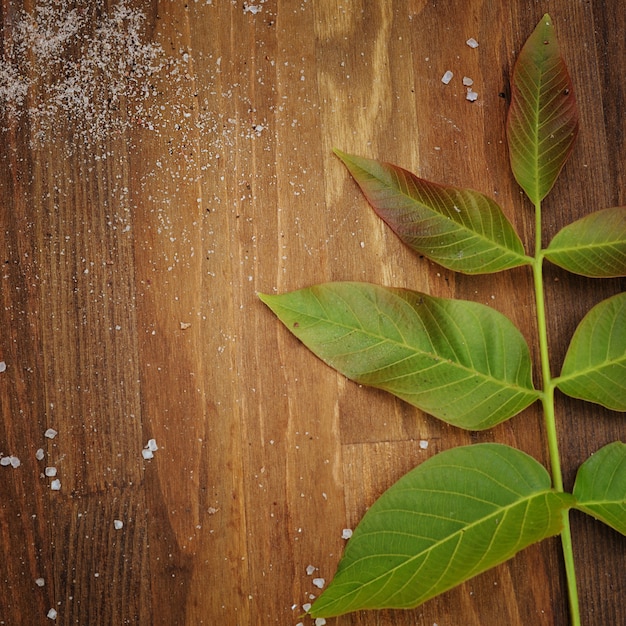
{"x": 131, "y": 254}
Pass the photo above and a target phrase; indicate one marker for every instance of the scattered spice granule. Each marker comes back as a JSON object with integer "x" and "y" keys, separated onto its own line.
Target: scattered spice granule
{"x": 319, "y": 582}
{"x": 3, "y": 366}
{"x": 447, "y": 77}
{"x": 306, "y": 607}
{"x": 423, "y": 444}
{"x": 310, "y": 569}
{"x": 40, "y": 582}
{"x": 5, "y": 460}
{"x": 118, "y": 524}
{"x": 50, "y": 471}
{"x": 467, "y": 81}
{"x": 39, "y": 455}
{"x": 472, "y": 43}
{"x": 184, "y": 325}
{"x": 346, "y": 533}
{"x": 147, "y": 454}
{"x": 50, "y": 433}
{"x": 320, "y": 621}
{"x": 55, "y": 485}
{"x": 471, "y": 95}
{"x": 52, "y": 614}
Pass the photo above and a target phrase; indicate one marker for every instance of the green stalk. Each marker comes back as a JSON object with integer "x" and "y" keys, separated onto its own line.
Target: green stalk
{"x": 550, "y": 420}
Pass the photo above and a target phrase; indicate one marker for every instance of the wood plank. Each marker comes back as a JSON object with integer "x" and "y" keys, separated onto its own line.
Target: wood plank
{"x": 137, "y": 231}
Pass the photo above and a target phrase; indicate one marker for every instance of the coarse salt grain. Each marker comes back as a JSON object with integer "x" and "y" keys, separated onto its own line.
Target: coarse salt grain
{"x": 147, "y": 454}
{"x": 15, "y": 462}
{"x": 39, "y": 455}
{"x": 423, "y": 444}
{"x": 152, "y": 445}
{"x": 306, "y": 607}
{"x": 118, "y": 524}
{"x": 319, "y": 582}
{"x": 40, "y": 582}
{"x": 310, "y": 569}
{"x": 55, "y": 485}
{"x": 467, "y": 81}
{"x": 447, "y": 77}
{"x": 346, "y": 533}
{"x": 472, "y": 43}
{"x": 50, "y": 471}
{"x": 5, "y": 460}
{"x": 52, "y": 614}
{"x": 320, "y": 621}
{"x": 3, "y": 366}
{"x": 50, "y": 433}
{"x": 472, "y": 96}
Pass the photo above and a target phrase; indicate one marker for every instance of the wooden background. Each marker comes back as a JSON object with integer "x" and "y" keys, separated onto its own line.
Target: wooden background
{"x": 131, "y": 256}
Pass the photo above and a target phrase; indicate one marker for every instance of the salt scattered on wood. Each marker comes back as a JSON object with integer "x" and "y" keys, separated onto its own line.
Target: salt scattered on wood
{"x": 306, "y": 607}
{"x": 447, "y": 77}
{"x": 472, "y": 96}
{"x": 320, "y": 621}
{"x": 152, "y": 445}
{"x": 346, "y": 533}
{"x": 319, "y": 582}
{"x": 3, "y": 366}
{"x": 40, "y": 582}
{"x": 423, "y": 444}
{"x": 147, "y": 454}
{"x": 467, "y": 81}
{"x": 118, "y": 524}
{"x": 52, "y": 614}
{"x": 50, "y": 471}
{"x": 310, "y": 569}
{"x": 50, "y": 433}
{"x": 39, "y": 455}
{"x": 55, "y": 485}
{"x": 5, "y": 460}
{"x": 472, "y": 43}
{"x": 185, "y": 325}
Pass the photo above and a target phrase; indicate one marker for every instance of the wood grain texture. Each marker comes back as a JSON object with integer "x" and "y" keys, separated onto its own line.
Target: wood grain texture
{"x": 131, "y": 259}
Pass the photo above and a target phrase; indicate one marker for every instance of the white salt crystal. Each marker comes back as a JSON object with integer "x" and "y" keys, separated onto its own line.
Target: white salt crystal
{"x": 50, "y": 471}
{"x": 147, "y": 454}
{"x": 15, "y": 462}
{"x": 447, "y": 77}
{"x": 472, "y": 96}
{"x": 40, "y": 454}
{"x": 320, "y": 621}
{"x": 52, "y": 614}
{"x": 55, "y": 485}
{"x": 152, "y": 445}
{"x": 40, "y": 582}
{"x": 306, "y": 607}
{"x": 5, "y": 460}
{"x": 423, "y": 444}
{"x": 310, "y": 569}
{"x": 51, "y": 433}
{"x": 118, "y": 524}
{"x": 467, "y": 81}
{"x": 472, "y": 43}
{"x": 3, "y": 366}
{"x": 319, "y": 582}
{"x": 346, "y": 533}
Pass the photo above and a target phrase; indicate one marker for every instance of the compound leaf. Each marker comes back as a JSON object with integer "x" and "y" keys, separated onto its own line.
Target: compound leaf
{"x": 458, "y": 514}
{"x": 594, "y": 368}
{"x": 542, "y": 122}
{"x": 592, "y": 246}
{"x": 461, "y": 229}
{"x": 460, "y": 361}
{"x": 600, "y": 488}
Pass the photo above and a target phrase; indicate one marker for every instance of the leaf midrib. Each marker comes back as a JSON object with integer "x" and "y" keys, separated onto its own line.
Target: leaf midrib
{"x": 383, "y": 339}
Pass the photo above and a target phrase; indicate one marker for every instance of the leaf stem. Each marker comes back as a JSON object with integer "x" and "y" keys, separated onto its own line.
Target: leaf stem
{"x": 550, "y": 420}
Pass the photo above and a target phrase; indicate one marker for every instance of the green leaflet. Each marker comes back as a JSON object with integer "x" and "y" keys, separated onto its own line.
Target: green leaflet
{"x": 600, "y": 488}
{"x": 542, "y": 122}
{"x": 458, "y": 514}
{"x": 595, "y": 364}
{"x": 592, "y": 246}
{"x": 460, "y": 361}
{"x": 461, "y": 229}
